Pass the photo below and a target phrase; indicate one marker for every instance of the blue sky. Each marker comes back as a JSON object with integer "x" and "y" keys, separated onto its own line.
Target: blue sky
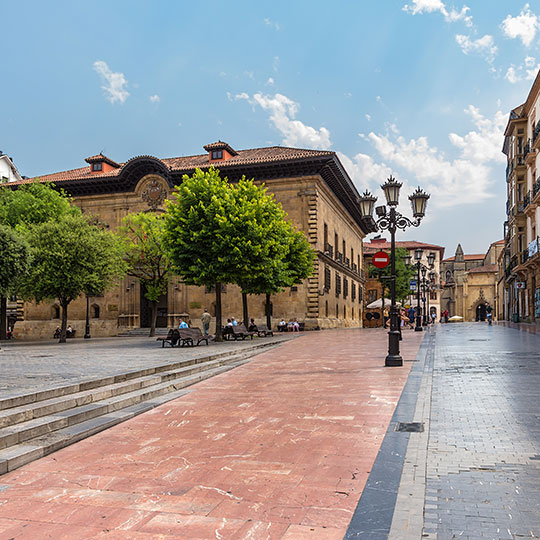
{"x": 419, "y": 88}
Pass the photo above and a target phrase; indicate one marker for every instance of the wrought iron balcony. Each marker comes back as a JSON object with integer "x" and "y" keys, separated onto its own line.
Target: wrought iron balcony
{"x": 524, "y": 256}
{"x": 536, "y": 131}
{"x": 329, "y": 250}
{"x": 536, "y": 187}
{"x": 347, "y": 262}
{"x": 527, "y": 200}
{"x": 527, "y": 149}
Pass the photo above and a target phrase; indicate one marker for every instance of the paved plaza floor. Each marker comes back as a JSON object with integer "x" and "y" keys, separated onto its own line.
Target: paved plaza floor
{"x": 302, "y": 443}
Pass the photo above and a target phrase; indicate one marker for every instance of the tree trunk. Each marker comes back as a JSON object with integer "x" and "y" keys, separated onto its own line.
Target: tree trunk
{"x": 153, "y": 318}
{"x": 245, "y": 309}
{"x": 268, "y": 310}
{"x": 3, "y": 317}
{"x": 219, "y": 332}
{"x": 64, "y": 322}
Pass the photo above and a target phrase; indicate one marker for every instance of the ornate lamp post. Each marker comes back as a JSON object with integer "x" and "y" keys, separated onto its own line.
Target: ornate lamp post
{"x": 87, "y": 326}
{"x": 418, "y": 257}
{"x": 392, "y": 220}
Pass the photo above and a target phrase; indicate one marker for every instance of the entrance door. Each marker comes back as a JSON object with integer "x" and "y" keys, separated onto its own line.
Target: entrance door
{"x": 146, "y": 311}
{"x": 481, "y": 312}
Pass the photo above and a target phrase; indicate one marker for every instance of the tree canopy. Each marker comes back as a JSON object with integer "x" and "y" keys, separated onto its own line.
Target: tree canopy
{"x": 71, "y": 257}
{"x": 14, "y": 259}
{"x": 146, "y": 256}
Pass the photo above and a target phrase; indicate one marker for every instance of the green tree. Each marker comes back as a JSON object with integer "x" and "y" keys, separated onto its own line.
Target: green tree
{"x": 14, "y": 260}
{"x": 295, "y": 266}
{"x": 195, "y": 233}
{"x": 32, "y": 203}
{"x": 146, "y": 257}
{"x": 28, "y": 205}
{"x": 71, "y": 257}
{"x": 261, "y": 239}
{"x": 404, "y": 274}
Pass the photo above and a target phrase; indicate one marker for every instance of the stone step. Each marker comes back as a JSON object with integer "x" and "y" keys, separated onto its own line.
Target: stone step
{"x": 108, "y": 413}
{"x": 50, "y": 415}
{"x": 42, "y": 395}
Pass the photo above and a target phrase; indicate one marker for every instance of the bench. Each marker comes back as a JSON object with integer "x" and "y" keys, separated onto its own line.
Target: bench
{"x": 188, "y": 336}
{"x": 172, "y": 338}
{"x": 240, "y": 332}
{"x": 262, "y": 331}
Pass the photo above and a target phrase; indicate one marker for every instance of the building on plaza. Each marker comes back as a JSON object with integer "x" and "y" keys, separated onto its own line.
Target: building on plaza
{"x": 313, "y": 188}
{"x": 373, "y": 287}
{"x": 520, "y": 265}
{"x": 8, "y": 171}
{"x": 470, "y": 283}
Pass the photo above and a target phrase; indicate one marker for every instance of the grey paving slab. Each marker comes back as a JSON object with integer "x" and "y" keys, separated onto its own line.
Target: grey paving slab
{"x": 27, "y": 367}
{"x": 480, "y": 472}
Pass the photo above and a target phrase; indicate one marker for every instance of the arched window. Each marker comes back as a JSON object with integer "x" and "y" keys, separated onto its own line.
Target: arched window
{"x": 56, "y": 311}
{"x": 448, "y": 276}
{"x": 95, "y": 311}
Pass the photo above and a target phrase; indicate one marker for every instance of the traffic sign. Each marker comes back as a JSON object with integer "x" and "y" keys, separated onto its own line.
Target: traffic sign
{"x": 412, "y": 285}
{"x": 381, "y": 259}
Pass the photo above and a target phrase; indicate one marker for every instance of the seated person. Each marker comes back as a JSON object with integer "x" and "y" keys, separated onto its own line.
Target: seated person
{"x": 69, "y": 331}
{"x": 56, "y": 334}
{"x": 282, "y": 325}
{"x": 233, "y": 322}
{"x": 252, "y": 326}
{"x": 183, "y": 324}
{"x": 227, "y": 329}
{"x": 295, "y": 325}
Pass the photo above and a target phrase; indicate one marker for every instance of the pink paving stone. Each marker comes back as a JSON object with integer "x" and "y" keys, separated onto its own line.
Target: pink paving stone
{"x": 278, "y": 448}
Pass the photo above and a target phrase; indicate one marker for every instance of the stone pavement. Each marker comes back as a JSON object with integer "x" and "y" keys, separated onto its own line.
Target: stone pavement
{"x": 26, "y": 367}
{"x": 278, "y": 448}
{"x": 474, "y": 473}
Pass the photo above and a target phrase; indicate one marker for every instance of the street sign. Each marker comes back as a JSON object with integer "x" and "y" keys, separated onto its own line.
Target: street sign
{"x": 520, "y": 285}
{"x": 381, "y": 259}
{"x": 412, "y": 285}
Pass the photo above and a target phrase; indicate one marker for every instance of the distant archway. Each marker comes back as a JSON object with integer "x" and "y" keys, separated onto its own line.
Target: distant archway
{"x": 481, "y": 312}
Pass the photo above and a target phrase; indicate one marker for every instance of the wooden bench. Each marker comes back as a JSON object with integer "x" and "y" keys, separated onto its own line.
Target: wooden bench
{"x": 192, "y": 337}
{"x": 241, "y": 332}
{"x": 262, "y": 331}
{"x": 172, "y": 338}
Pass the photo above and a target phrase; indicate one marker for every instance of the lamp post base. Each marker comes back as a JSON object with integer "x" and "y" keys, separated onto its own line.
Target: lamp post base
{"x": 418, "y": 329}
{"x": 393, "y": 360}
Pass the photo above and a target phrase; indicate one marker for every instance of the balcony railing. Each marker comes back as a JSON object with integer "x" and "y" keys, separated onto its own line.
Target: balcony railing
{"x": 527, "y": 200}
{"x": 536, "y": 187}
{"x": 355, "y": 268}
{"x": 347, "y": 262}
{"x": 536, "y": 131}
{"x": 339, "y": 257}
{"x": 524, "y": 255}
{"x": 527, "y": 149}
{"x": 329, "y": 250}
{"x": 520, "y": 207}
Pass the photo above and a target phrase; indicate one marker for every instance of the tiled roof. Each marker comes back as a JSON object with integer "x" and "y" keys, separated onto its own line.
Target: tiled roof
{"x": 377, "y": 245}
{"x": 485, "y": 268}
{"x": 473, "y": 257}
{"x": 101, "y": 158}
{"x": 272, "y": 154}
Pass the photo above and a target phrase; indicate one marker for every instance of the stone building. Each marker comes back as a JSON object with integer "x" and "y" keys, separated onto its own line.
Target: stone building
{"x": 373, "y": 287}
{"x": 470, "y": 283}
{"x": 313, "y": 188}
{"x": 520, "y": 265}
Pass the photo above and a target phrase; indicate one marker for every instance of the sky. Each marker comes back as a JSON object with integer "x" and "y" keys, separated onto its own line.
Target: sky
{"x": 420, "y": 89}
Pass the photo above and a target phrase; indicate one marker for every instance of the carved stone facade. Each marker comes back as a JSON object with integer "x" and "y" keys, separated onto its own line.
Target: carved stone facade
{"x": 315, "y": 192}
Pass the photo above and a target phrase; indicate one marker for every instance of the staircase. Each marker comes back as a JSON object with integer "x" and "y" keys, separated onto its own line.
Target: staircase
{"x": 37, "y": 424}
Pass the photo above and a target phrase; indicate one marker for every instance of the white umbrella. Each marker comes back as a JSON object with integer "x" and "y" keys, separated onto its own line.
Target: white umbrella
{"x": 377, "y": 304}
{"x": 455, "y": 318}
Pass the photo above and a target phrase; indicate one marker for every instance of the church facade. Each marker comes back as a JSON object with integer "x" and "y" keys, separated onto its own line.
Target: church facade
{"x": 312, "y": 186}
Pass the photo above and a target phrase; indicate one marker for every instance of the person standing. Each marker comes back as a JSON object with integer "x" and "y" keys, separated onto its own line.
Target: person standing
{"x": 205, "y": 319}
{"x": 411, "y": 313}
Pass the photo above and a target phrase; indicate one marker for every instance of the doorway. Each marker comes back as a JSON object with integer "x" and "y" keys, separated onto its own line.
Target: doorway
{"x": 146, "y": 312}
{"x": 481, "y": 312}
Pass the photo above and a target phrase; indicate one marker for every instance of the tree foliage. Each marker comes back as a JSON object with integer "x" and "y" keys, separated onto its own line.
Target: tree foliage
{"x": 71, "y": 257}
{"x": 14, "y": 259}
{"x": 33, "y": 203}
{"x": 145, "y": 255}
{"x": 404, "y": 274}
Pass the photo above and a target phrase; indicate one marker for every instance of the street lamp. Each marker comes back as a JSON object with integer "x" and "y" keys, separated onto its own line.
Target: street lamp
{"x": 424, "y": 287}
{"x": 431, "y": 259}
{"x": 418, "y": 257}
{"x": 87, "y": 325}
{"x": 391, "y": 221}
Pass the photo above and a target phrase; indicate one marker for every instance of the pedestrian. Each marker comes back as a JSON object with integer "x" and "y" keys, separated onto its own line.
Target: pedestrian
{"x": 386, "y": 316}
{"x": 489, "y": 314}
{"x": 445, "y": 315}
{"x": 205, "y": 319}
{"x": 433, "y": 316}
{"x": 183, "y": 324}
{"x": 411, "y": 314}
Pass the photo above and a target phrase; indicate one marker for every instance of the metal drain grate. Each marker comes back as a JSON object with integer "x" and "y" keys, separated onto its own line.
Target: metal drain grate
{"x": 410, "y": 427}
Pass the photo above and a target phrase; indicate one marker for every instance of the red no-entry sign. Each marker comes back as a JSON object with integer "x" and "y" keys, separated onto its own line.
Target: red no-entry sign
{"x": 381, "y": 259}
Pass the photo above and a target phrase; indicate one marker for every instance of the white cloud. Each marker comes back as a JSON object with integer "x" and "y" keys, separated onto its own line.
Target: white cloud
{"x": 270, "y": 81}
{"x": 431, "y": 6}
{"x": 368, "y": 117}
{"x": 275, "y": 63}
{"x": 154, "y": 99}
{"x": 364, "y": 171}
{"x": 282, "y": 115}
{"x": 273, "y": 24}
{"x": 452, "y": 182}
{"x": 114, "y": 82}
{"x": 524, "y": 26}
{"x": 524, "y": 72}
{"x": 483, "y": 46}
